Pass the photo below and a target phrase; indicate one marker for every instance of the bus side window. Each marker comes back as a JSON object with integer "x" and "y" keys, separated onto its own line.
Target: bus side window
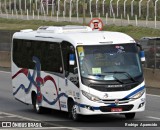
{"x": 22, "y": 53}
{"x": 71, "y": 72}
{"x": 49, "y": 55}
{"x": 66, "y": 52}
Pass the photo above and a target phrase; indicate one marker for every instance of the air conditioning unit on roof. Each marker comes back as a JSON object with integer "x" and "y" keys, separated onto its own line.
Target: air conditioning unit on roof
{"x": 63, "y": 29}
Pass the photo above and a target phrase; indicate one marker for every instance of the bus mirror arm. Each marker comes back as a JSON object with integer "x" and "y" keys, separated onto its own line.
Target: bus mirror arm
{"x": 66, "y": 73}
{"x": 139, "y": 46}
{"x": 141, "y": 53}
{"x": 75, "y": 70}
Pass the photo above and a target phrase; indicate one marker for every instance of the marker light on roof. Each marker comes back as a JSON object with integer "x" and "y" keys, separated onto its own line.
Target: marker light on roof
{"x": 51, "y": 29}
{"x": 27, "y": 30}
{"x": 108, "y": 42}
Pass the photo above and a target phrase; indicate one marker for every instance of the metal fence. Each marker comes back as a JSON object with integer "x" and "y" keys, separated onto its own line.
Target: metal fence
{"x": 144, "y": 9}
{"x": 151, "y": 47}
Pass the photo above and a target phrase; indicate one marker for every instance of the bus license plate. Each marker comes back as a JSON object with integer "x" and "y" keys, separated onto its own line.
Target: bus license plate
{"x": 116, "y": 109}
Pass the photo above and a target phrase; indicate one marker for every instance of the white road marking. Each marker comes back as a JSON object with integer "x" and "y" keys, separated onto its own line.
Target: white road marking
{"x": 30, "y": 119}
{"x": 8, "y": 116}
{"x": 25, "y": 118}
{"x": 153, "y": 95}
{"x": 5, "y": 72}
{"x": 46, "y": 128}
{"x": 151, "y": 117}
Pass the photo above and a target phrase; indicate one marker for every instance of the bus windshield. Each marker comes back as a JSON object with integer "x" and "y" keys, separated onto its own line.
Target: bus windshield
{"x": 109, "y": 62}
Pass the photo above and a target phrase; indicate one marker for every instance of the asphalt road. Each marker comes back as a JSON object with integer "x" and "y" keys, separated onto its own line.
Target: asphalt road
{"x": 12, "y": 110}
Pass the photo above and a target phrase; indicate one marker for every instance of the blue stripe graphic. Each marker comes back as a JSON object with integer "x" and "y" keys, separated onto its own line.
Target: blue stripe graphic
{"x": 54, "y": 102}
{"x": 31, "y": 79}
{"x": 134, "y": 92}
{"x": 20, "y": 87}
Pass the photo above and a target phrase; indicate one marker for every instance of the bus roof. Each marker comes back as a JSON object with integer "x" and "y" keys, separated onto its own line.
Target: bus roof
{"x": 77, "y": 35}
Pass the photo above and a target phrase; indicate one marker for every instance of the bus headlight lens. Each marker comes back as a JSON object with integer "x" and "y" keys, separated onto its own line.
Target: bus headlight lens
{"x": 138, "y": 95}
{"x": 90, "y": 96}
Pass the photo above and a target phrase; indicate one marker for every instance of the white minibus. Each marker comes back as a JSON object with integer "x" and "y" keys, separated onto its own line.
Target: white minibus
{"x": 77, "y": 70}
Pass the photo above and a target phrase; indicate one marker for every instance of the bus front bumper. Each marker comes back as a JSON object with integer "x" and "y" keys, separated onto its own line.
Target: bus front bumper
{"x": 137, "y": 105}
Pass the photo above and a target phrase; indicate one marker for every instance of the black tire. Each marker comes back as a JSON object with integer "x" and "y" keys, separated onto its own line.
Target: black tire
{"x": 38, "y": 109}
{"x": 73, "y": 111}
{"x": 130, "y": 115}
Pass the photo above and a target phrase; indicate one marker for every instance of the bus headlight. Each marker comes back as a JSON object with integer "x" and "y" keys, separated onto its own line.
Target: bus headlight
{"x": 138, "y": 95}
{"x": 90, "y": 96}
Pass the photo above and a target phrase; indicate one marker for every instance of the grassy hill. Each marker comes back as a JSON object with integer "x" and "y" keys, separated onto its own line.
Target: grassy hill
{"x": 135, "y": 32}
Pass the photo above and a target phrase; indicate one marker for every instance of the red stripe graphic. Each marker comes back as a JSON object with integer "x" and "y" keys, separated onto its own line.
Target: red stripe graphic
{"x": 24, "y": 71}
{"x": 51, "y": 79}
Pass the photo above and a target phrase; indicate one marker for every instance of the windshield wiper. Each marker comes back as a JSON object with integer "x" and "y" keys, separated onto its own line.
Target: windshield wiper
{"x": 123, "y": 72}
{"x": 120, "y": 81}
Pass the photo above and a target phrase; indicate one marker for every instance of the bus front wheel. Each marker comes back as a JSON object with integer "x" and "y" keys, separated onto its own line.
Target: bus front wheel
{"x": 130, "y": 115}
{"x": 73, "y": 111}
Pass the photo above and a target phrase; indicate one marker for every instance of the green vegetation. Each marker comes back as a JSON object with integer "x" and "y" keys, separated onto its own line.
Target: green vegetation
{"x": 135, "y": 32}
{"x": 14, "y": 24}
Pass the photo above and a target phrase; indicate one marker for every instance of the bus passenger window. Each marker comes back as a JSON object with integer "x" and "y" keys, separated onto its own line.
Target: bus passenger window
{"x": 67, "y": 51}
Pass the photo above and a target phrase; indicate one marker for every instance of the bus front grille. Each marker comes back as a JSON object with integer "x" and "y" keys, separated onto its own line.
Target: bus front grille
{"x": 106, "y": 88}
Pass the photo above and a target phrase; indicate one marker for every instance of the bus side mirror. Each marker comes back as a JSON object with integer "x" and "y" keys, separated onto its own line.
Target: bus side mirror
{"x": 141, "y": 53}
{"x": 76, "y": 70}
{"x": 71, "y": 59}
{"x": 142, "y": 56}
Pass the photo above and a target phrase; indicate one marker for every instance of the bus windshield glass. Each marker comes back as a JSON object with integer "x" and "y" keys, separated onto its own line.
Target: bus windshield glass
{"x": 109, "y": 62}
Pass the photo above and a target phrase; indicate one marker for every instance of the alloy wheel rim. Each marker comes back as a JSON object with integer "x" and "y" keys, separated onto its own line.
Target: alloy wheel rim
{"x": 37, "y": 106}
{"x": 74, "y": 112}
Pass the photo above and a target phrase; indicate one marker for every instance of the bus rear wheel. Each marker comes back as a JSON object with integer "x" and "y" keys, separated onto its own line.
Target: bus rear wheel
{"x": 38, "y": 109}
{"x": 130, "y": 115}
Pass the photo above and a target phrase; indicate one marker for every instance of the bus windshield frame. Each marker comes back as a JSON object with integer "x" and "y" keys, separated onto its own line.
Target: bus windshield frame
{"x": 113, "y": 62}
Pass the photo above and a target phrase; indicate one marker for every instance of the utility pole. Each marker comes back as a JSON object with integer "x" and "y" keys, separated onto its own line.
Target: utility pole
{"x": 84, "y": 12}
